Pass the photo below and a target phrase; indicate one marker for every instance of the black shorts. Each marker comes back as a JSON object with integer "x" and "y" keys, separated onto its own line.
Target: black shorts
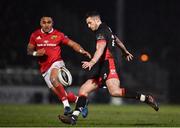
{"x": 103, "y": 71}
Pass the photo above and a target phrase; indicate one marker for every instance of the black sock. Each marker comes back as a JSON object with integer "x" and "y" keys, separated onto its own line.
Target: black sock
{"x": 127, "y": 93}
{"x": 82, "y": 100}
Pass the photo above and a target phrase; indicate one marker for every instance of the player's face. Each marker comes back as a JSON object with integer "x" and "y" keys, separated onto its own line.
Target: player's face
{"x": 92, "y": 23}
{"x": 46, "y": 24}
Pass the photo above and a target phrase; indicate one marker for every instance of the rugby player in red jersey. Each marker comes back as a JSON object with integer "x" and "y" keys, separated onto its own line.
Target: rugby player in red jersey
{"x": 108, "y": 74}
{"x": 45, "y": 44}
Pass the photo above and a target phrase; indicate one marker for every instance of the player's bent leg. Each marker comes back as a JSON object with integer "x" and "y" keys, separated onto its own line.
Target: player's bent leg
{"x": 116, "y": 91}
{"x": 60, "y": 91}
{"x": 57, "y": 85}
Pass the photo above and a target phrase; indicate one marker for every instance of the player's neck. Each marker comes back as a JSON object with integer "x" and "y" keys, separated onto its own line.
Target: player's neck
{"x": 51, "y": 30}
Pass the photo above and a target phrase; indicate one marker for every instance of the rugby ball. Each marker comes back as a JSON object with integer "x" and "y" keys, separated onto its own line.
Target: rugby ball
{"x": 64, "y": 76}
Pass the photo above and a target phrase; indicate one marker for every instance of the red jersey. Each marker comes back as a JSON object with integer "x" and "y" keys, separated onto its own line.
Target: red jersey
{"x": 51, "y": 43}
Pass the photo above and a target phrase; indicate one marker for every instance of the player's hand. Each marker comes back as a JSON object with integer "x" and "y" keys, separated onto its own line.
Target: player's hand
{"x": 87, "y": 54}
{"x": 41, "y": 52}
{"x": 86, "y": 64}
{"x": 129, "y": 56}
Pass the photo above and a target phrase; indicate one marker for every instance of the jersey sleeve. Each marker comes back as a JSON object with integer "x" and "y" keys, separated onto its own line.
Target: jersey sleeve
{"x": 100, "y": 37}
{"x": 64, "y": 38}
{"x": 32, "y": 40}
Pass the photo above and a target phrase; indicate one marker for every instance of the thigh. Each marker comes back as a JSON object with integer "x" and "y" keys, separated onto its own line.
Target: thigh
{"x": 53, "y": 70}
{"x": 47, "y": 80}
{"x": 113, "y": 84}
{"x": 49, "y": 76}
{"x": 52, "y": 73}
{"x": 89, "y": 86}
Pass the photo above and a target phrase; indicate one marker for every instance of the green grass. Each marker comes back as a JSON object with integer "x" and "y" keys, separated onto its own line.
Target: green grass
{"x": 99, "y": 116}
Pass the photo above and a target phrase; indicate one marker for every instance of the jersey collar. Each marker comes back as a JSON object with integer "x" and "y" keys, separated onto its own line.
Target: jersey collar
{"x": 48, "y": 32}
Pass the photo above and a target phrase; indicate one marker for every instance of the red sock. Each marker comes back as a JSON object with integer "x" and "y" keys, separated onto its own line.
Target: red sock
{"x": 61, "y": 92}
{"x": 71, "y": 97}
{"x": 123, "y": 91}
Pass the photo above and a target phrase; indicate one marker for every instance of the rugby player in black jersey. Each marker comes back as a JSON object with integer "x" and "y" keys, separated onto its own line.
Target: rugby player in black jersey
{"x": 108, "y": 72}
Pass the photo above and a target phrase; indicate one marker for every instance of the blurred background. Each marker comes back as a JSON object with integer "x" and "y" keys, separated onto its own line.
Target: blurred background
{"x": 149, "y": 29}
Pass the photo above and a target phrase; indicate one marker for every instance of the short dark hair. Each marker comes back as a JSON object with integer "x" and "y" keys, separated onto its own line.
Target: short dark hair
{"x": 92, "y": 14}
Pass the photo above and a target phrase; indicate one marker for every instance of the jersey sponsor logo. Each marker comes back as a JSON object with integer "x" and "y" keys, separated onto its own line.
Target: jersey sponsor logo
{"x": 53, "y": 37}
{"x": 48, "y": 45}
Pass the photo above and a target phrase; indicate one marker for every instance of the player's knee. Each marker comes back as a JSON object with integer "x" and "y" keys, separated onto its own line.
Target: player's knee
{"x": 83, "y": 93}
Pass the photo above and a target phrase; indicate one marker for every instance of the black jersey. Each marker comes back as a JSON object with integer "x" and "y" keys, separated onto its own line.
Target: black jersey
{"x": 102, "y": 66}
{"x": 104, "y": 33}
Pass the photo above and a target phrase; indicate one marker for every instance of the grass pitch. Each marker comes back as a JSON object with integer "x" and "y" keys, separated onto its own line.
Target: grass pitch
{"x": 99, "y": 116}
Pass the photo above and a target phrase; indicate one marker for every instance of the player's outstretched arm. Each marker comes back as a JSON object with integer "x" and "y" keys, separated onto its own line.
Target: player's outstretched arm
{"x": 31, "y": 51}
{"x": 78, "y": 48}
{"x": 126, "y": 53}
{"x": 97, "y": 55}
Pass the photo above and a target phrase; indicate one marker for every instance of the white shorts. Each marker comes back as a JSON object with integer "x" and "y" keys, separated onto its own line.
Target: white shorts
{"x": 47, "y": 74}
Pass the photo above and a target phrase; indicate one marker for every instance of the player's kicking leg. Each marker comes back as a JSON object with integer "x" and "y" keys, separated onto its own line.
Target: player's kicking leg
{"x": 73, "y": 99}
{"x": 78, "y": 109}
{"x": 89, "y": 86}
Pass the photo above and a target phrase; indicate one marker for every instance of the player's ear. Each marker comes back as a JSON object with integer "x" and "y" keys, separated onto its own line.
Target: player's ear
{"x": 41, "y": 20}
